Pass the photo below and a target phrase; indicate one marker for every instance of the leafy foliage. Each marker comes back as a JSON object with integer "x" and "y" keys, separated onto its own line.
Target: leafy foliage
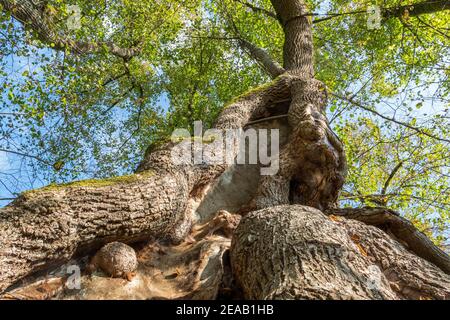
{"x": 69, "y": 115}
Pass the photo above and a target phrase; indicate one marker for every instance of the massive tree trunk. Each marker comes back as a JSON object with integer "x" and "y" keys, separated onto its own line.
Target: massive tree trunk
{"x": 299, "y": 244}
{"x": 297, "y": 252}
{"x": 312, "y": 165}
{"x": 45, "y": 227}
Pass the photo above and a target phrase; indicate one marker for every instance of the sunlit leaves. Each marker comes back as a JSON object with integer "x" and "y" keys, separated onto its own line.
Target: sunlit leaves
{"x": 95, "y": 114}
{"x": 398, "y": 169}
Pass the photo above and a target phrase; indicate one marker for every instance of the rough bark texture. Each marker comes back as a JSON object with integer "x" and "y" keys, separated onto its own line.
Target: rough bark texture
{"x": 193, "y": 269}
{"x": 312, "y": 165}
{"x": 48, "y": 226}
{"x": 45, "y": 227}
{"x": 297, "y": 252}
{"x": 116, "y": 259}
{"x": 402, "y": 230}
{"x": 177, "y": 211}
{"x": 416, "y": 9}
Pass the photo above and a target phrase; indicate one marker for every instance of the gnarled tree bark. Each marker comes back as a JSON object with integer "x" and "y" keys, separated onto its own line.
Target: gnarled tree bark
{"x": 48, "y": 226}
{"x": 297, "y": 252}
{"x": 312, "y": 165}
{"x": 288, "y": 249}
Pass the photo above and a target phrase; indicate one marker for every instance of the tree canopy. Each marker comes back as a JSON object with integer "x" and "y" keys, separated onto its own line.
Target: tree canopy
{"x": 85, "y": 95}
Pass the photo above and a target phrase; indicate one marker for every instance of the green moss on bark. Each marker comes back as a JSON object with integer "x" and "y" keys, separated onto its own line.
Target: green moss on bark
{"x": 253, "y": 91}
{"x": 92, "y": 183}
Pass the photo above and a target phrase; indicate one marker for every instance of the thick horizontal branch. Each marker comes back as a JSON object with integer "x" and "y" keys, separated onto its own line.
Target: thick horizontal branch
{"x": 44, "y": 228}
{"x": 39, "y": 21}
{"x": 417, "y": 9}
{"x": 411, "y": 10}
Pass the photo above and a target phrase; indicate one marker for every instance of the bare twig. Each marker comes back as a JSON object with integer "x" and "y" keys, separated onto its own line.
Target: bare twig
{"x": 404, "y": 124}
{"x": 27, "y": 156}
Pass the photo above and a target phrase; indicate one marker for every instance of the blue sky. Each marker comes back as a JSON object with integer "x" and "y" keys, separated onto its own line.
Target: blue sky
{"x": 11, "y": 164}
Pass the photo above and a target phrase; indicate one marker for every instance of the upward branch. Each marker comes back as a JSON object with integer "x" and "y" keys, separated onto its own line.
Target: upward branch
{"x": 262, "y": 57}
{"x": 258, "y": 9}
{"x": 391, "y": 176}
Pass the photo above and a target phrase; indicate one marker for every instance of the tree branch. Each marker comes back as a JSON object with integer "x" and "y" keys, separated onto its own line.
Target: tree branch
{"x": 258, "y": 9}
{"x": 25, "y": 12}
{"x": 402, "y": 229}
{"x": 391, "y": 176}
{"x": 48, "y": 226}
{"x": 416, "y": 9}
{"x": 334, "y": 15}
{"x": 412, "y": 10}
{"x": 375, "y": 198}
{"x": 272, "y": 67}
{"x": 261, "y": 56}
{"x": 27, "y": 156}
{"x": 404, "y": 124}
